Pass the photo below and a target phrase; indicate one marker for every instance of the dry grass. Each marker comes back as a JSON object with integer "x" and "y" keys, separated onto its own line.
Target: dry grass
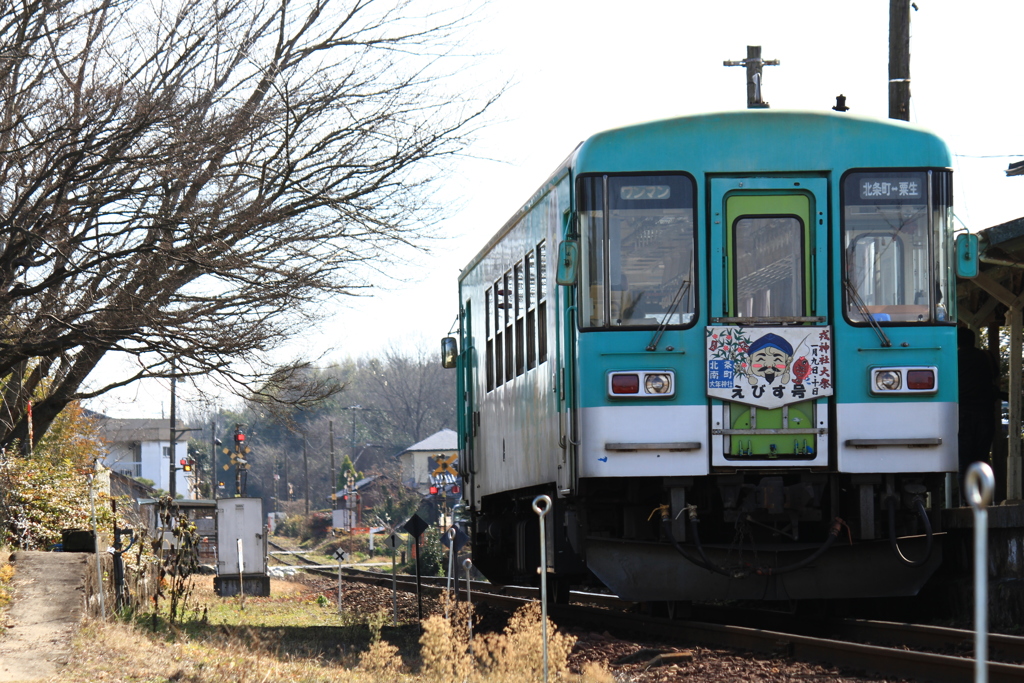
{"x": 294, "y": 638}
{"x": 514, "y": 656}
{"x": 120, "y": 652}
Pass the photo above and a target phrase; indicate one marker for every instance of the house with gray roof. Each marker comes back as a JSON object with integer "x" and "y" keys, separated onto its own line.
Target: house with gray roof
{"x": 420, "y": 460}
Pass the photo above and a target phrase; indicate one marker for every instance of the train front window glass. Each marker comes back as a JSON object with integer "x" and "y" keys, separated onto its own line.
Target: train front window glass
{"x": 895, "y": 259}
{"x": 638, "y": 242}
{"x": 769, "y": 264}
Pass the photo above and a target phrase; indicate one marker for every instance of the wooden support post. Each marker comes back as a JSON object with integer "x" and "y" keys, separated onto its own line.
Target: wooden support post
{"x": 899, "y": 59}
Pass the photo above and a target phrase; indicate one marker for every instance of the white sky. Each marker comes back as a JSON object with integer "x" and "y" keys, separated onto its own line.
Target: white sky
{"x": 581, "y": 66}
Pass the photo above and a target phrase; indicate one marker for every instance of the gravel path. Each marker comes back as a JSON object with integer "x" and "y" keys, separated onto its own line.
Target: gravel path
{"x": 47, "y": 608}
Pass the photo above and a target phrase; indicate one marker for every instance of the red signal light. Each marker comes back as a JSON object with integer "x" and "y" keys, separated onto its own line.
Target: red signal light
{"x": 183, "y": 461}
{"x": 456, "y": 489}
{"x": 239, "y": 437}
{"x": 433, "y": 490}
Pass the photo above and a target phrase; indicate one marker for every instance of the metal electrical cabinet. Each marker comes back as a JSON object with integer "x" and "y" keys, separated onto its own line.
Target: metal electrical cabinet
{"x": 240, "y": 528}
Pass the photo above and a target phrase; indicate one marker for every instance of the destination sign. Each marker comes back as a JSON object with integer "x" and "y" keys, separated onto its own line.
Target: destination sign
{"x": 891, "y": 188}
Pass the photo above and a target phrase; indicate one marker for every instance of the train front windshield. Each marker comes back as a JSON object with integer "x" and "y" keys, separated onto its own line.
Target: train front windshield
{"x": 897, "y": 231}
{"x": 638, "y": 243}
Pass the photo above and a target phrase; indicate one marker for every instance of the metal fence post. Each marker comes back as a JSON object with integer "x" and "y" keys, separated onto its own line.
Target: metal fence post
{"x": 542, "y": 512}
{"x": 468, "y": 565}
{"x": 979, "y": 482}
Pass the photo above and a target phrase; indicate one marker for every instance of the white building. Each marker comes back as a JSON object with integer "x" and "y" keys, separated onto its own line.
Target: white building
{"x": 142, "y": 448}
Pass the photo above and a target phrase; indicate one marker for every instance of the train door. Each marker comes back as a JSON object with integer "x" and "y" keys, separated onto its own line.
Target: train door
{"x": 469, "y": 413}
{"x": 768, "y": 344}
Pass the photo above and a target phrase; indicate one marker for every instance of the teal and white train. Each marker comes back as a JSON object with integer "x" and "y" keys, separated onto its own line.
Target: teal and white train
{"x": 725, "y": 346}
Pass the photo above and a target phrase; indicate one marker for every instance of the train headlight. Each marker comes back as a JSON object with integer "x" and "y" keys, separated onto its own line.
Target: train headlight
{"x": 641, "y": 384}
{"x": 888, "y": 380}
{"x": 658, "y": 383}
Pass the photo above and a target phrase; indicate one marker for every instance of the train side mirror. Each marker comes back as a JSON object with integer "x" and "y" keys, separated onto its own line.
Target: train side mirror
{"x": 568, "y": 262}
{"x": 966, "y": 255}
{"x": 449, "y": 352}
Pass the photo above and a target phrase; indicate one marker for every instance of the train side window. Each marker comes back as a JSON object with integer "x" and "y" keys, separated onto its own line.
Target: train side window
{"x": 592, "y": 313}
{"x": 489, "y": 331}
{"x": 542, "y": 303}
{"x": 531, "y": 310}
{"x": 499, "y": 326}
{"x": 895, "y": 239}
{"x": 520, "y": 314}
{"x": 509, "y": 321}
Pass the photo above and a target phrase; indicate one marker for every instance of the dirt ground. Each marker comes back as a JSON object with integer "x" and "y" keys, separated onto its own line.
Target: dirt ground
{"x": 44, "y": 614}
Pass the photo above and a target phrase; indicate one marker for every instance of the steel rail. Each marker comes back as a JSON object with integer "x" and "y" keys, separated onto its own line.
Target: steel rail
{"x": 924, "y": 666}
{"x": 898, "y": 661}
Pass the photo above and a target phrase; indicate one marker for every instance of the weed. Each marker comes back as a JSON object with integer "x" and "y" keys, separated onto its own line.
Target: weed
{"x": 516, "y": 655}
{"x": 6, "y": 575}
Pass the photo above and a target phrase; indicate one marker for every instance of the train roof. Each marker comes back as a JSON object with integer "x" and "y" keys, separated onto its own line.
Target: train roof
{"x": 761, "y": 141}
{"x": 736, "y": 142}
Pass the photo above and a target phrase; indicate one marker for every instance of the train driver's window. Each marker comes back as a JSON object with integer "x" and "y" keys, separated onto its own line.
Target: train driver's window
{"x": 893, "y": 255}
{"x": 639, "y": 239}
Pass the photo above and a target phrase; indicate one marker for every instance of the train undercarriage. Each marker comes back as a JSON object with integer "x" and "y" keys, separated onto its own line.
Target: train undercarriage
{"x": 762, "y": 536}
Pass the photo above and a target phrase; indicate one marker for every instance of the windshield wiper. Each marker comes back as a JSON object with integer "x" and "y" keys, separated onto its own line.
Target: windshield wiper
{"x": 684, "y": 286}
{"x": 862, "y": 307}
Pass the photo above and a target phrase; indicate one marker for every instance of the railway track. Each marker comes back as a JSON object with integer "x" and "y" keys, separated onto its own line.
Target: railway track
{"x": 919, "y": 652}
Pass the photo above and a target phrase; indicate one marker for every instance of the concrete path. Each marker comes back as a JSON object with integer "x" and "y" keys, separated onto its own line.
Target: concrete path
{"x": 49, "y": 601}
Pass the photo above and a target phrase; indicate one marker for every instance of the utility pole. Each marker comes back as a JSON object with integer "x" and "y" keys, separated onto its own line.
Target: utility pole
{"x": 899, "y": 59}
{"x": 214, "y": 444}
{"x": 755, "y": 75}
{"x": 334, "y": 476}
{"x": 305, "y": 468}
{"x": 172, "y": 488}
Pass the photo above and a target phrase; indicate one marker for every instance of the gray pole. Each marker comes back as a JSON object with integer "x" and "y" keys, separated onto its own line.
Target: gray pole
{"x": 979, "y": 482}
{"x": 542, "y": 512}
{"x": 899, "y": 59}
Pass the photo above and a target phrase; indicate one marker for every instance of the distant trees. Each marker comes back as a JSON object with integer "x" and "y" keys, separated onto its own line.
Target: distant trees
{"x": 386, "y": 405}
{"x": 185, "y": 181}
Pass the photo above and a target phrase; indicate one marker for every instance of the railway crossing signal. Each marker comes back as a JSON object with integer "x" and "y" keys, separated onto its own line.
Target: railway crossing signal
{"x": 444, "y": 465}
{"x": 238, "y": 459}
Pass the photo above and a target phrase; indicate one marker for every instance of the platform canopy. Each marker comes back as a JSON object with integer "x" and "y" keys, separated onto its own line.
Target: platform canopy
{"x": 994, "y": 301}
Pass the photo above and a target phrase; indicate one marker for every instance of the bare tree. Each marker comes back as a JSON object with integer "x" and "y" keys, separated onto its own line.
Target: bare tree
{"x": 185, "y": 182}
{"x": 414, "y": 395}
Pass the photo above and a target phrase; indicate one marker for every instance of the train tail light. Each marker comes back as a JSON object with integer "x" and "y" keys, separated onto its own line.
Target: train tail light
{"x": 625, "y": 383}
{"x": 921, "y": 380}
